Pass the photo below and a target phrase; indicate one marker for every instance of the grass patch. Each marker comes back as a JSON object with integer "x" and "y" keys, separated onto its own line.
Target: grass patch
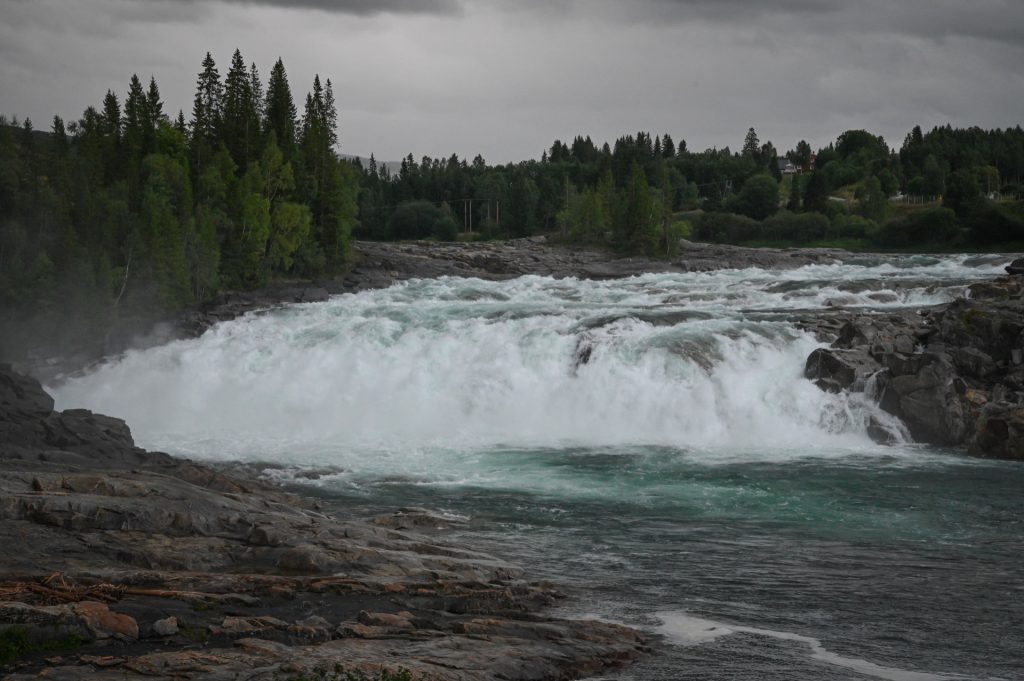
{"x": 15, "y": 644}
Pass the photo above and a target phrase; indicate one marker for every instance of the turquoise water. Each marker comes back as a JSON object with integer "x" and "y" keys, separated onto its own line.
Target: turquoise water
{"x": 911, "y": 562}
{"x": 649, "y": 444}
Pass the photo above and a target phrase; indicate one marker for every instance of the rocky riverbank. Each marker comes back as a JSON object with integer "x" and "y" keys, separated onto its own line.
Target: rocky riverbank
{"x": 953, "y": 374}
{"x": 122, "y": 564}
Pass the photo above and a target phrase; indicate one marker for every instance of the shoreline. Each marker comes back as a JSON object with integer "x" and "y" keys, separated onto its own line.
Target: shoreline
{"x": 138, "y": 564}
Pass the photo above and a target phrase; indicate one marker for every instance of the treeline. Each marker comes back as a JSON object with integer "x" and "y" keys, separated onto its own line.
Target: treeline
{"x": 641, "y": 193}
{"x": 129, "y": 212}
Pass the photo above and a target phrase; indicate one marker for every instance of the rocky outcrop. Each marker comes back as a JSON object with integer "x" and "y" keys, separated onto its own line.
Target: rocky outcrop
{"x": 155, "y": 567}
{"x": 954, "y": 374}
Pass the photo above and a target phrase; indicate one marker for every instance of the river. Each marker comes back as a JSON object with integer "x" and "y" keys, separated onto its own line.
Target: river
{"x": 649, "y": 444}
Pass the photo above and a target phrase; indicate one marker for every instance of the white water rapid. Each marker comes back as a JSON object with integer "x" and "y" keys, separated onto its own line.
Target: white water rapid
{"x": 379, "y": 379}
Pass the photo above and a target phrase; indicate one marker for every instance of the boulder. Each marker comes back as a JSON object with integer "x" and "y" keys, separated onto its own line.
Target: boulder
{"x": 999, "y": 433}
{"x": 835, "y": 370}
{"x": 166, "y": 627}
{"x": 1016, "y": 267}
{"x": 929, "y": 402}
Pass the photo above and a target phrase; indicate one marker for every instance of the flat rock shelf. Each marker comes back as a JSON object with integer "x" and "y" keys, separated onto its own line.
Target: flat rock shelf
{"x": 133, "y": 564}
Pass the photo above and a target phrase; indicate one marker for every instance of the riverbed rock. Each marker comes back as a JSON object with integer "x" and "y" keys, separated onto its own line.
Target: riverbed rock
{"x": 835, "y": 370}
{"x": 954, "y": 374}
{"x": 139, "y": 557}
{"x": 999, "y": 432}
{"x": 1016, "y": 267}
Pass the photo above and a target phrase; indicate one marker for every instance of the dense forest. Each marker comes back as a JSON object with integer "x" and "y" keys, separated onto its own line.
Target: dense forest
{"x": 131, "y": 212}
{"x": 947, "y": 188}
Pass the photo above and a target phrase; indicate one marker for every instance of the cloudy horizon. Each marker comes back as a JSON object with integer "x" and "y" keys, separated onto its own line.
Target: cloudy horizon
{"x": 503, "y": 79}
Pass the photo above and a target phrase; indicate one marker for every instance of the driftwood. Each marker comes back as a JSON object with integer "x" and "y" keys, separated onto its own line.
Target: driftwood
{"x": 54, "y": 589}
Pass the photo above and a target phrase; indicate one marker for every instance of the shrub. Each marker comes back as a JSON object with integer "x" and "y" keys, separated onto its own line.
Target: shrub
{"x": 800, "y": 227}
{"x": 990, "y": 223}
{"x": 931, "y": 226}
{"x": 727, "y": 228}
{"x": 414, "y": 220}
{"x": 853, "y": 227}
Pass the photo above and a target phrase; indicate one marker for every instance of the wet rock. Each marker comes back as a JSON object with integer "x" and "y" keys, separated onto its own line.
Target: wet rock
{"x": 954, "y": 373}
{"x": 929, "y": 403}
{"x": 835, "y": 370}
{"x": 1000, "y": 432}
{"x": 1016, "y": 267}
{"x": 265, "y": 582}
{"x": 21, "y": 395}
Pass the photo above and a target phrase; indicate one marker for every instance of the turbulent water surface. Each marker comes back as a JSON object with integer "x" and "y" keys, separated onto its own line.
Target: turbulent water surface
{"x": 649, "y": 443}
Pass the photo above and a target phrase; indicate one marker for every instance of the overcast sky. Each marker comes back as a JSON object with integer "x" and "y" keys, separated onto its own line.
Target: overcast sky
{"x": 504, "y": 78}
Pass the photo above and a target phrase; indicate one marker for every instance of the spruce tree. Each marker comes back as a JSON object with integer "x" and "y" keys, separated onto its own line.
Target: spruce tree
{"x": 136, "y": 136}
{"x": 239, "y": 123}
{"x": 668, "y": 147}
{"x": 111, "y": 116}
{"x": 206, "y": 114}
{"x": 280, "y": 113}
{"x": 110, "y": 129}
{"x": 154, "y": 111}
{"x": 751, "y": 144}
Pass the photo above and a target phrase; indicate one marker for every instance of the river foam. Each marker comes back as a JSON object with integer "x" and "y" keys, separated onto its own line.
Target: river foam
{"x": 708, "y": 361}
{"x": 684, "y": 629}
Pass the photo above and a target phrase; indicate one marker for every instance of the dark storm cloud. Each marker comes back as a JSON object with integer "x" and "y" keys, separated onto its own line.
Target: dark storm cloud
{"x": 997, "y": 20}
{"x": 506, "y": 77}
{"x": 354, "y": 7}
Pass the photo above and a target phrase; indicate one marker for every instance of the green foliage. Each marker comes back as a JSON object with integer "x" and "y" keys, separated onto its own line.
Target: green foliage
{"x": 853, "y": 227}
{"x": 961, "y": 191}
{"x": 15, "y": 644}
{"x": 290, "y": 225}
{"x": 727, "y": 228}
{"x": 931, "y": 226}
{"x": 636, "y": 227}
{"x": 796, "y": 227}
{"x": 816, "y": 193}
{"x": 991, "y": 223}
{"x": 445, "y": 228}
{"x": 874, "y": 203}
{"x": 414, "y": 220}
{"x": 757, "y": 199}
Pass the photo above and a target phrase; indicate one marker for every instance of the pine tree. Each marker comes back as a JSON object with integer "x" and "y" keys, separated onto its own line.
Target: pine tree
{"x": 280, "y": 113}
{"x": 137, "y": 134}
{"x": 136, "y": 118}
{"x": 110, "y": 129}
{"x": 111, "y": 116}
{"x": 668, "y": 147}
{"x": 154, "y": 116}
{"x": 240, "y": 121}
{"x": 751, "y": 144}
{"x": 180, "y": 125}
{"x": 206, "y": 113}
{"x": 154, "y": 104}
